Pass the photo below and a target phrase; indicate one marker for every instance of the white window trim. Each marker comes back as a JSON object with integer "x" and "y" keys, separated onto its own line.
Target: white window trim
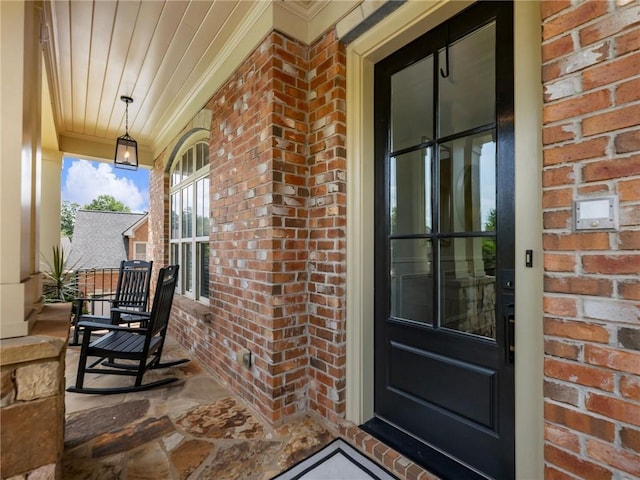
{"x": 135, "y": 244}
{"x": 201, "y": 136}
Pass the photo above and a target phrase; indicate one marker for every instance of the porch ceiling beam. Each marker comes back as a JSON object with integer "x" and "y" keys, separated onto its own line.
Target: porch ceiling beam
{"x": 99, "y": 149}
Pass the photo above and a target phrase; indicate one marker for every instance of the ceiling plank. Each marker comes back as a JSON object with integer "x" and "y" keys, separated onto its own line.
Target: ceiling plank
{"x": 142, "y": 85}
{"x": 191, "y": 65}
{"x": 110, "y": 104}
{"x": 103, "y": 18}
{"x": 61, "y": 29}
{"x": 81, "y": 21}
{"x": 179, "y": 49}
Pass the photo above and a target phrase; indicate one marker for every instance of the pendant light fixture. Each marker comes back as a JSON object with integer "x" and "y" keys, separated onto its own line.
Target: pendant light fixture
{"x": 126, "y": 147}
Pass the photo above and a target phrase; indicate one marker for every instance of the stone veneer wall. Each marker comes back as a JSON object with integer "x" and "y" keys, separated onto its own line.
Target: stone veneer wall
{"x": 591, "y": 68}
{"x": 32, "y": 400}
{"x": 277, "y": 251}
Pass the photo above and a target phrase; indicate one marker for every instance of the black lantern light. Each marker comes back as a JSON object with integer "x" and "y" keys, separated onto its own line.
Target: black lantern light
{"x": 126, "y": 147}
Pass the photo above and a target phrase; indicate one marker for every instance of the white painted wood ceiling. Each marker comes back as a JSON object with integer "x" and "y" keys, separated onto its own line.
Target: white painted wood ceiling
{"x": 156, "y": 52}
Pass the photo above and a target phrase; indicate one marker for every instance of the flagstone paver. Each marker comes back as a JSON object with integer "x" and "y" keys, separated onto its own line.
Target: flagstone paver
{"x": 194, "y": 429}
{"x": 88, "y": 424}
{"x": 189, "y": 455}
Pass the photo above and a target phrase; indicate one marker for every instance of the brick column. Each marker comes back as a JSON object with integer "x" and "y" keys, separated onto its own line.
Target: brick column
{"x": 327, "y": 226}
{"x": 277, "y": 251}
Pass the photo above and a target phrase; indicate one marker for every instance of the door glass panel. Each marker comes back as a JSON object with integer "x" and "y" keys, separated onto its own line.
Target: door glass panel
{"x": 468, "y": 292}
{"x": 410, "y": 192}
{"x": 468, "y": 184}
{"x": 412, "y": 280}
{"x": 412, "y": 105}
{"x": 467, "y": 95}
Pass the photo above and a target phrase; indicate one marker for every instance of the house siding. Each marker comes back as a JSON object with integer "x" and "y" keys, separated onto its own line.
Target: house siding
{"x": 591, "y": 142}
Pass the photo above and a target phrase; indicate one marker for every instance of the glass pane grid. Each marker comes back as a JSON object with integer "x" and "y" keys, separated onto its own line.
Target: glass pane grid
{"x": 467, "y": 95}
{"x": 442, "y": 193}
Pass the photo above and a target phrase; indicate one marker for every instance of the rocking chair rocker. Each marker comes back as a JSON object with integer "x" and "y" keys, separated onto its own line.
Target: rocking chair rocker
{"x": 142, "y": 345}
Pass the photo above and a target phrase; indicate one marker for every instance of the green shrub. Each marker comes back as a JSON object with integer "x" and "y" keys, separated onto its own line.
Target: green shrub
{"x": 59, "y": 283}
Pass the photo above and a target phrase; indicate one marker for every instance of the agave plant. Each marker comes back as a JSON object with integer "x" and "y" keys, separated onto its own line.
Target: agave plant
{"x": 59, "y": 280}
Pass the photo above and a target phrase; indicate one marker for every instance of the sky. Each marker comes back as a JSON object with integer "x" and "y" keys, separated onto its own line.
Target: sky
{"x": 84, "y": 180}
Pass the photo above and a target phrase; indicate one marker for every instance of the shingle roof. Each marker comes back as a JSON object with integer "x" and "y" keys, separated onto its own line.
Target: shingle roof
{"x": 98, "y": 240}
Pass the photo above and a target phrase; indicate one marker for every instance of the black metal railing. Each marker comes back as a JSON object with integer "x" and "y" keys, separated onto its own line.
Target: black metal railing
{"x": 99, "y": 284}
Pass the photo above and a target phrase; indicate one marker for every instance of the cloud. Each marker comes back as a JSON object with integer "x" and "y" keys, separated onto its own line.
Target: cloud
{"x": 87, "y": 180}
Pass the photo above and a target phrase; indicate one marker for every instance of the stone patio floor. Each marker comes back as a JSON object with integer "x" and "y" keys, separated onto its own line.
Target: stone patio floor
{"x": 193, "y": 429}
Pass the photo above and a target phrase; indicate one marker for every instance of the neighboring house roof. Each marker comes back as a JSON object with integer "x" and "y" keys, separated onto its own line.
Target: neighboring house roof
{"x": 131, "y": 231}
{"x": 65, "y": 245}
{"x": 98, "y": 238}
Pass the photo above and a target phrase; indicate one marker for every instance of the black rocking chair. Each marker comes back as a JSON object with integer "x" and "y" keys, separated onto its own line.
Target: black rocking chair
{"x": 141, "y": 346}
{"x": 131, "y": 296}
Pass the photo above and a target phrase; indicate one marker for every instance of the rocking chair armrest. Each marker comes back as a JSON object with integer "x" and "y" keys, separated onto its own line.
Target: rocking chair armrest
{"x": 130, "y": 311}
{"x": 89, "y": 326}
{"x": 104, "y": 298}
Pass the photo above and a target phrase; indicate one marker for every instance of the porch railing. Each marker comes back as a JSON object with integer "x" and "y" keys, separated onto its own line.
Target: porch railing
{"x": 98, "y": 284}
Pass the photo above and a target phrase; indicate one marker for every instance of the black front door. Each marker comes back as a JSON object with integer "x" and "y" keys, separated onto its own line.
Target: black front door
{"x": 444, "y": 246}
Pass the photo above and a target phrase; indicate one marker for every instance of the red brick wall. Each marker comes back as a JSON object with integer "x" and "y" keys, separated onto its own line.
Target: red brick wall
{"x": 327, "y": 225}
{"x": 591, "y": 68}
{"x": 277, "y": 206}
{"x": 158, "y": 220}
{"x": 140, "y": 235}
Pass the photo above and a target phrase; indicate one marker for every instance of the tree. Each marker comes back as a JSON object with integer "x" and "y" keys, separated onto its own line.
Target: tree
{"x": 68, "y": 218}
{"x": 106, "y": 203}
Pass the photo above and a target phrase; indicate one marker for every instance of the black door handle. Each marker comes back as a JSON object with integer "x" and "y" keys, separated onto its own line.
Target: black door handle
{"x": 510, "y": 333}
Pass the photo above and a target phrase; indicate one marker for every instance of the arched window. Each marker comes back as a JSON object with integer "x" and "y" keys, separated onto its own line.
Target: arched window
{"x": 189, "y": 220}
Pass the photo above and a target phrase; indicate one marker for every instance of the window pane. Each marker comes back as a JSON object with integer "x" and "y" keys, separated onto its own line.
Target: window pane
{"x": 202, "y": 207}
{"x": 187, "y": 163}
{"x": 203, "y": 269}
{"x": 187, "y": 211}
{"x": 412, "y": 280}
{"x": 412, "y": 105}
{"x": 175, "y": 216}
{"x": 140, "y": 251}
{"x": 410, "y": 193}
{"x": 468, "y": 184}
{"x": 468, "y": 293}
{"x": 174, "y": 259}
{"x": 202, "y": 155}
{"x": 187, "y": 267}
{"x": 175, "y": 174}
{"x": 467, "y": 95}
